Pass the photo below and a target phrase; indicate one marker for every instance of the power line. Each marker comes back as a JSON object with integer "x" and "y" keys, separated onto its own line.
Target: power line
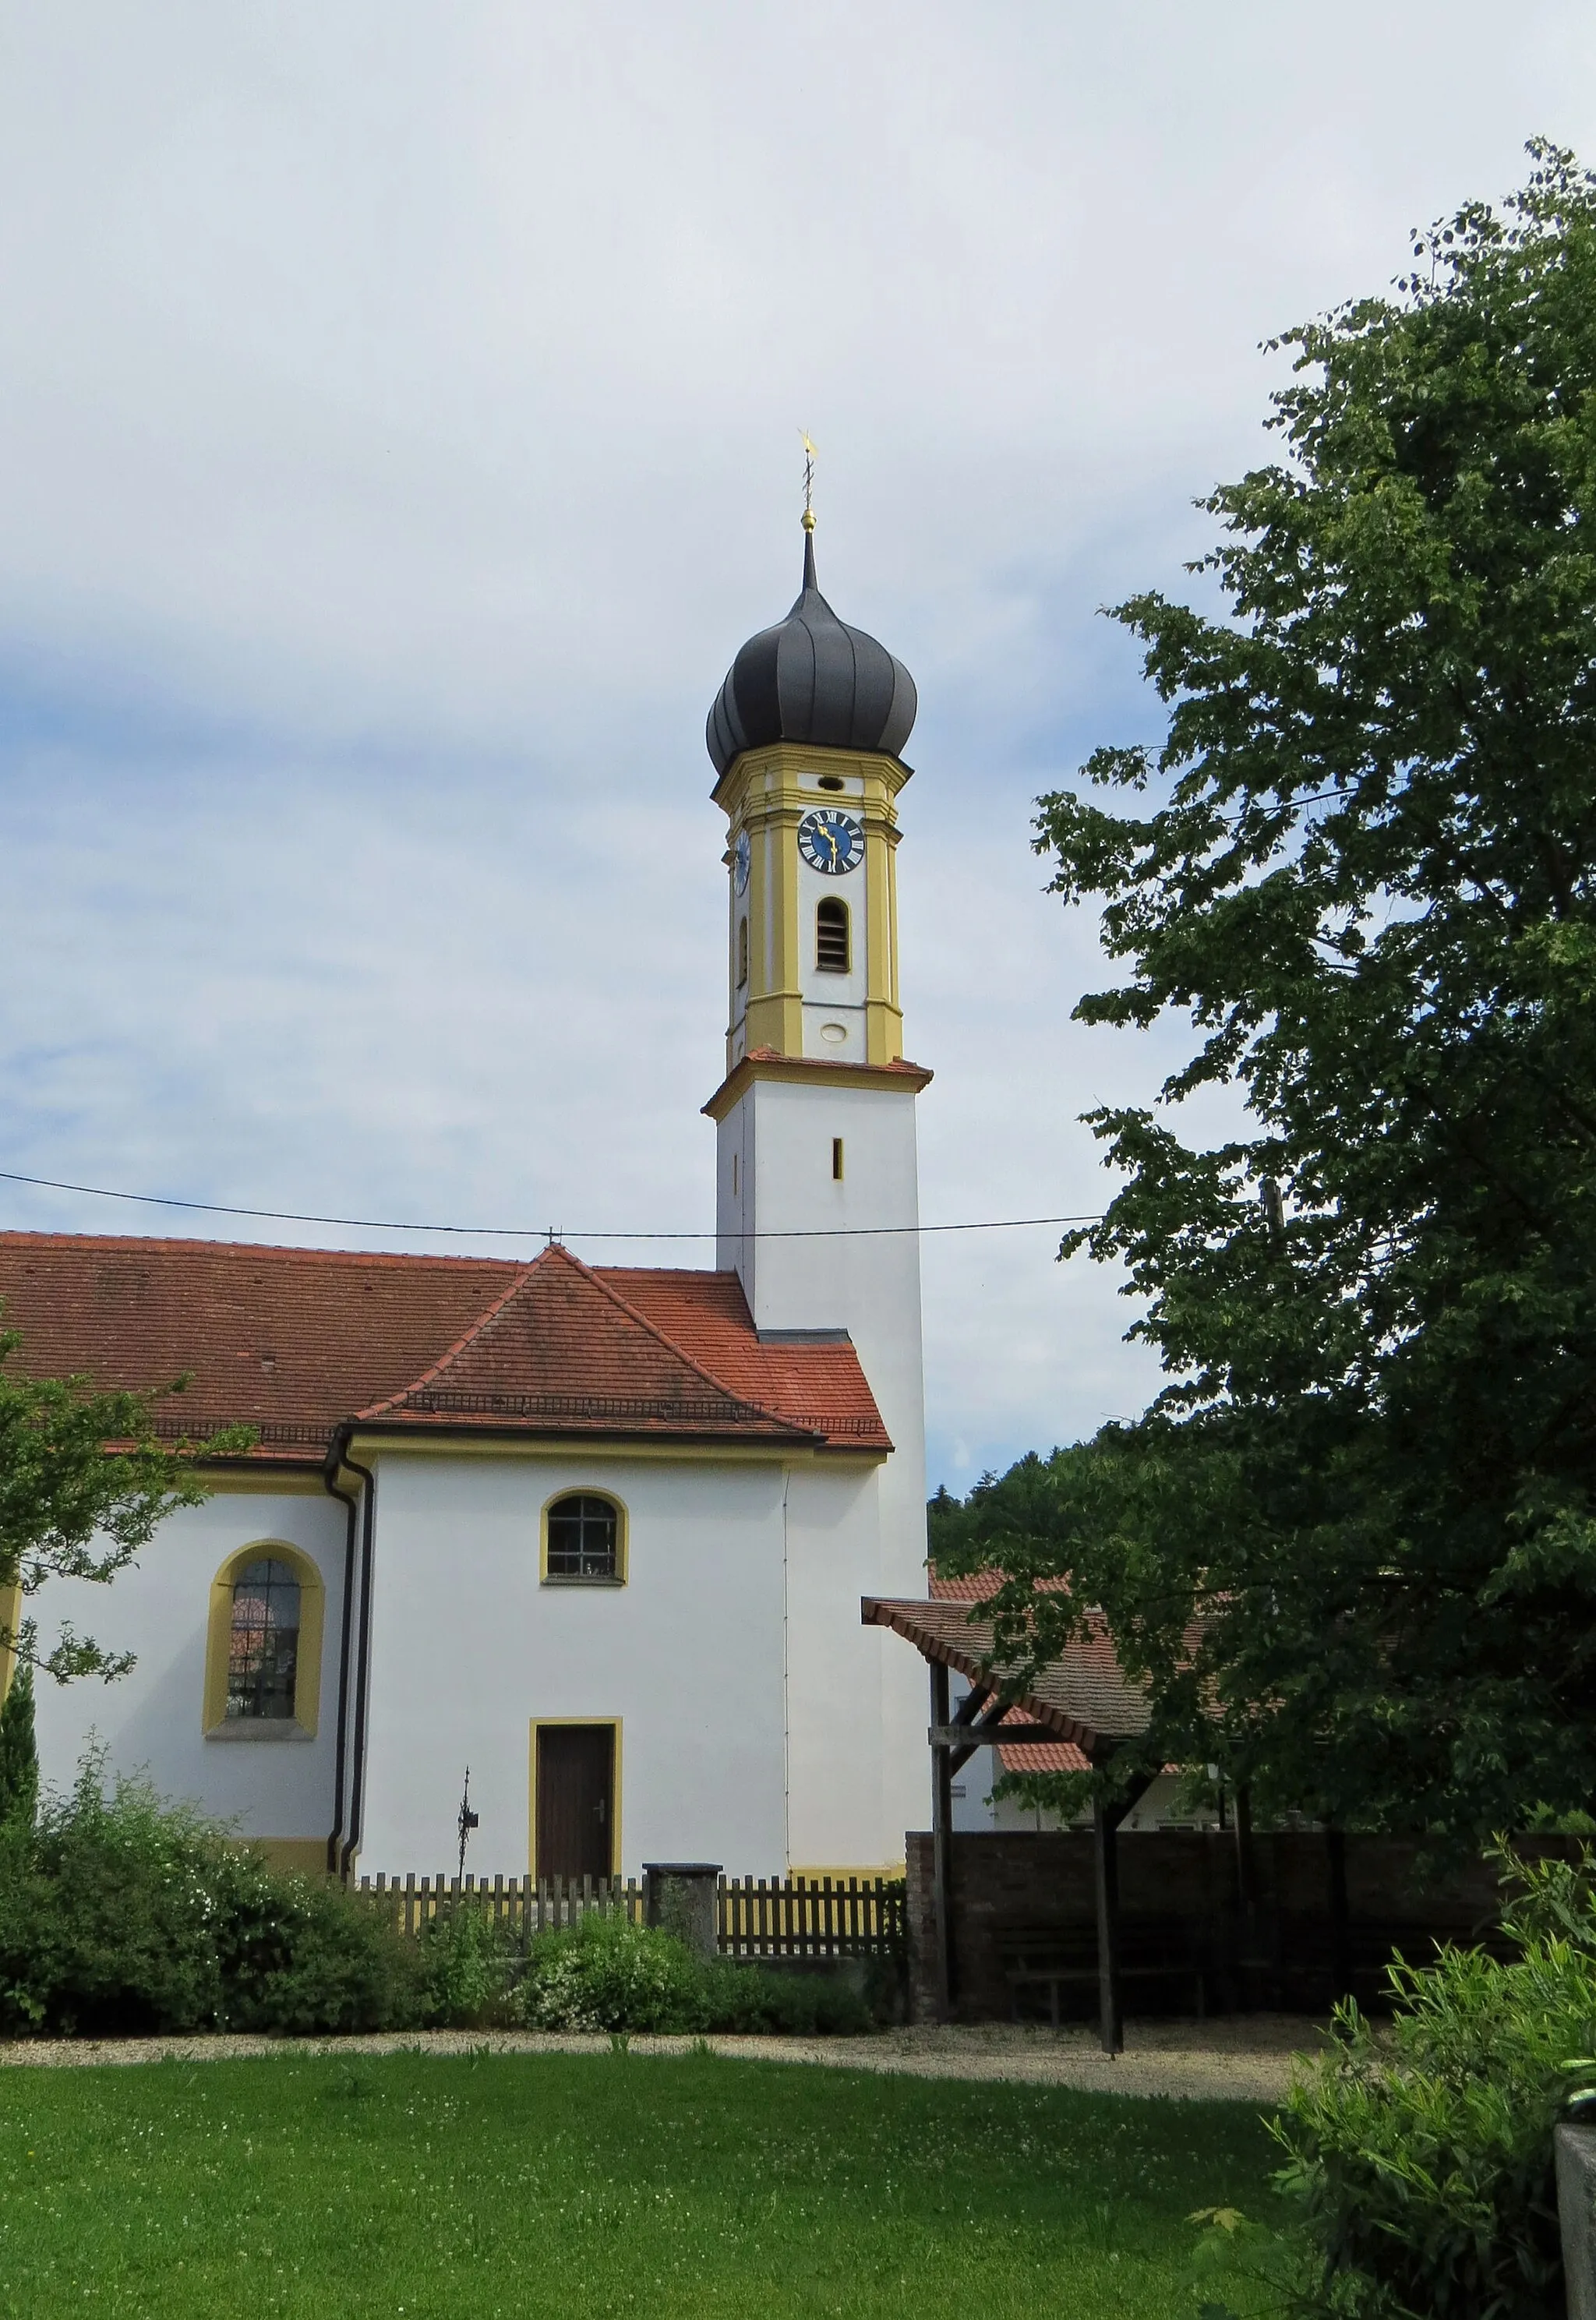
{"x": 523, "y": 1232}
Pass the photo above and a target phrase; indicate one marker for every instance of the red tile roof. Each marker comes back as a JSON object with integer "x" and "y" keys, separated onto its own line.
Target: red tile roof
{"x": 295, "y": 1342}
{"x": 1084, "y": 1697}
{"x": 975, "y": 1587}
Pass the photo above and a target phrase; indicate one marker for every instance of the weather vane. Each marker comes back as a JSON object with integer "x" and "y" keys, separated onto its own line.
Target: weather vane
{"x": 810, "y": 456}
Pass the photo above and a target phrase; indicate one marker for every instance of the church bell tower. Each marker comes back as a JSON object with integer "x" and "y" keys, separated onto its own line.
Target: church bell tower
{"x": 817, "y": 1202}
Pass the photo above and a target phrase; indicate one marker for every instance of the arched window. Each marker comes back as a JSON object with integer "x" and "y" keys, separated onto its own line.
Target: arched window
{"x": 583, "y": 1539}
{"x": 830, "y": 936}
{"x": 263, "y": 1641}
{"x": 742, "y": 953}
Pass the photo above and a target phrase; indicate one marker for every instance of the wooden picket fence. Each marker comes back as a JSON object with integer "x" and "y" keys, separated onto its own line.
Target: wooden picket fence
{"x": 756, "y": 1917}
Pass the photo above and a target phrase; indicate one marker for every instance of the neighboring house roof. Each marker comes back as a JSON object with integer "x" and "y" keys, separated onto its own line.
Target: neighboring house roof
{"x": 298, "y": 1341}
{"x": 1085, "y": 1697}
{"x": 974, "y": 1587}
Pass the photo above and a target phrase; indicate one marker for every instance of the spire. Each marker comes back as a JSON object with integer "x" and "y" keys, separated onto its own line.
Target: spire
{"x": 810, "y": 456}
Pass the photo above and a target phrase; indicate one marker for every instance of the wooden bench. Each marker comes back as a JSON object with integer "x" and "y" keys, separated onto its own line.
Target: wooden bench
{"x": 1052, "y": 1958}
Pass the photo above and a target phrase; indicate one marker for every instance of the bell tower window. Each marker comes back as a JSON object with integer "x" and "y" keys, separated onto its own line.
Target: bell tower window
{"x": 831, "y": 946}
{"x": 742, "y": 954}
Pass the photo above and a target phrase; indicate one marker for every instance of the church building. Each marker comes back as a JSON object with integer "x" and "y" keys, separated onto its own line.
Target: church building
{"x": 600, "y": 1534}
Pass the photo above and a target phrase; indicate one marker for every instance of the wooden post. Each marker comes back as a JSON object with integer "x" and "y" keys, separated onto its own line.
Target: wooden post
{"x": 1105, "y": 1837}
{"x": 942, "y": 1849}
{"x": 1340, "y": 1915}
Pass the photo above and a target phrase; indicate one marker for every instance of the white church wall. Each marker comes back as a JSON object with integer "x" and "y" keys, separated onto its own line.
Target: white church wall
{"x": 152, "y": 1720}
{"x": 468, "y": 1648}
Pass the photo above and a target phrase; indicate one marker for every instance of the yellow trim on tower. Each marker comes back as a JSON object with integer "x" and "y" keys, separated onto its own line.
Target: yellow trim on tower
{"x": 764, "y": 794}
{"x": 307, "y": 1674}
{"x": 537, "y": 1725}
{"x": 623, "y": 1536}
{"x": 799, "y": 1071}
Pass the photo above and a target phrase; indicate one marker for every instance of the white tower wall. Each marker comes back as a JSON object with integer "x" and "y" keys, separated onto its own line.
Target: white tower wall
{"x": 857, "y": 1707}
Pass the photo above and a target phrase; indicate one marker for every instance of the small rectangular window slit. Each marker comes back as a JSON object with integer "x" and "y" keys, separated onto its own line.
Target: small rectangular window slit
{"x": 837, "y": 1159}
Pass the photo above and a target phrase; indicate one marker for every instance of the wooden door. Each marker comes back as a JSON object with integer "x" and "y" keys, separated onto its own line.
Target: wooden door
{"x": 575, "y": 1800}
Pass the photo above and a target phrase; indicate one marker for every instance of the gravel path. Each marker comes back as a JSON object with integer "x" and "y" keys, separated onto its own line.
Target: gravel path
{"x": 1241, "y": 2058}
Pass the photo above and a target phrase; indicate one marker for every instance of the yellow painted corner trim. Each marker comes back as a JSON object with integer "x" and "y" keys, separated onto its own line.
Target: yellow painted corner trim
{"x": 839, "y": 1873}
{"x": 10, "y": 1620}
{"x": 536, "y": 1726}
{"x": 307, "y": 1855}
{"x": 313, "y": 1612}
{"x": 622, "y": 1539}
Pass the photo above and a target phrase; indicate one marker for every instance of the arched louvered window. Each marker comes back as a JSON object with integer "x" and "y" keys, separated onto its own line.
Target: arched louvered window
{"x": 830, "y": 936}
{"x": 263, "y": 1641}
{"x": 742, "y": 953}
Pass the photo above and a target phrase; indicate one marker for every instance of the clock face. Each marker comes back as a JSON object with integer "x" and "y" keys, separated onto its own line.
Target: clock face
{"x": 742, "y": 854}
{"x": 833, "y": 841}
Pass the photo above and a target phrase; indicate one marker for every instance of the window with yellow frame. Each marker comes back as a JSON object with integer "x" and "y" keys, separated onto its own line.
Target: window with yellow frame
{"x": 263, "y": 1651}
{"x": 584, "y": 1541}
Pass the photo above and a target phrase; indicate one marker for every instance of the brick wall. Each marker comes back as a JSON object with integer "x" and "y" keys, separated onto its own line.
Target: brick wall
{"x": 1284, "y": 1953}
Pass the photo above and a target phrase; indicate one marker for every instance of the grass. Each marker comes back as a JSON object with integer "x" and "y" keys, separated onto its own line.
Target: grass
{"x": 519, "y": 2186}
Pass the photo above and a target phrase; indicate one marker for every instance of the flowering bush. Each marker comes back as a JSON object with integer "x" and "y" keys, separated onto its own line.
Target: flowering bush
{"x": 119, "y": 1913}
{"x": 605, "y": 1973}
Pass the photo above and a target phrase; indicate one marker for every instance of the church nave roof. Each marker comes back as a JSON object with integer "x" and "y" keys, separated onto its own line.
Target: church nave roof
{"x": 300, "y": 1342}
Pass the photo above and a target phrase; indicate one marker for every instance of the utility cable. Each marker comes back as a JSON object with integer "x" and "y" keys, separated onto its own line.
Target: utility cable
{"x": 524, "y": 1232}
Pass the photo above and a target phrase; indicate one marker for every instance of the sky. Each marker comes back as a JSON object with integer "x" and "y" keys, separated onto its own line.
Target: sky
{"x": 399, "y": 412}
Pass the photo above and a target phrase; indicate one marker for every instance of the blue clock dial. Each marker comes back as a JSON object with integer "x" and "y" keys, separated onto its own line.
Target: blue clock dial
{"x": 831, "y": 841}
{"x": 742, "y": 854}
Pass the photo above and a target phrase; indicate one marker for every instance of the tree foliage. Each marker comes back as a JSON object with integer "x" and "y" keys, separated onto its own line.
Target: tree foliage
{"x": 19, "y": 1754}
{"x": 84, "y": 1482}
{"x": 1364, "y": 863}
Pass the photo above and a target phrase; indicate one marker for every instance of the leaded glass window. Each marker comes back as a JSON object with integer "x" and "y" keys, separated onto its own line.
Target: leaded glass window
{"x": 263, "y": 1645}
{"x": 583, "y": 1539}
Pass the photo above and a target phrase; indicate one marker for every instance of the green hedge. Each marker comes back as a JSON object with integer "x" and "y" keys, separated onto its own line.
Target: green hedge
{"x": 121, "y": 1914}
{"x": 124, "y": 1915}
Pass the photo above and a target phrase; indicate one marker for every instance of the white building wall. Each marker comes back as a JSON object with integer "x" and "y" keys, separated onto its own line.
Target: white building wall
{"x": 467, "y": 1648}
{"x": 152, "y": 1720}
{"x": 775, "y": 1175}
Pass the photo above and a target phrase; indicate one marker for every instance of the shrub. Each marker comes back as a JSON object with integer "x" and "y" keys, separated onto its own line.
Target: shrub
{"x": 754, "y": 1999}
{"x": 1423, "y": 2157}
{"x": 468, "y": 1967}
{"x": 605, "y": 1973}
{"x": 123, "y": 1914}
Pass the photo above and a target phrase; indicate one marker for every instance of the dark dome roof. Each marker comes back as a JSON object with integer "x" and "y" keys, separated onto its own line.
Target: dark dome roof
{"x": 811, "y": 678}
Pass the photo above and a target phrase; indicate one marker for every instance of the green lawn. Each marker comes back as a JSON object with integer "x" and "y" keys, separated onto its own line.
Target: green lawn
{"x": 572, "y": 2184}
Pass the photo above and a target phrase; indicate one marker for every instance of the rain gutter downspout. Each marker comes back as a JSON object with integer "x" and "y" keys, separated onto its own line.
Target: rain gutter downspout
{"x": 363, "y": 1656}
{"x": 349, "y": 1500}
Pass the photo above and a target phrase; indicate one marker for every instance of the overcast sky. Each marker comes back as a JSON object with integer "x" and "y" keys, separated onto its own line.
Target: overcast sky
{"x": 398, "y": 436}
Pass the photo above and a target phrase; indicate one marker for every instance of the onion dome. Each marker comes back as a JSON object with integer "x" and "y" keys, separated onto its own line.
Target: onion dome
{"x": 813, "y": 679}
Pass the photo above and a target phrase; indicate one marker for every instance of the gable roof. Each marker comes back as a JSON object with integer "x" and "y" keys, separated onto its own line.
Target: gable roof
{"x": 300, "y": 1342}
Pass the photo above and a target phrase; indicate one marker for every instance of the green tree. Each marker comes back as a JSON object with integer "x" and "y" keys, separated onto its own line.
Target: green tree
{"x": 84, "y": 1484}
{"x": 1352, "y": 1545}
{"x": 19, "y": 1756}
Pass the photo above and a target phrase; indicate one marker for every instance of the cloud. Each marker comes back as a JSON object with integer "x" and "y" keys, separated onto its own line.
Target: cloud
{"x": 398, "y": 434}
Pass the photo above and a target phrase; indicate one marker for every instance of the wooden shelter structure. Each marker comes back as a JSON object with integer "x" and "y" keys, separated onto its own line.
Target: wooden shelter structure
{"x": 1082, "y": 1702}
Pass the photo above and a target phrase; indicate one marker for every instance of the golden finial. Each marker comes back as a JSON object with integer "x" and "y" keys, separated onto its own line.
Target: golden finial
{"x": 810, "y": 456}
